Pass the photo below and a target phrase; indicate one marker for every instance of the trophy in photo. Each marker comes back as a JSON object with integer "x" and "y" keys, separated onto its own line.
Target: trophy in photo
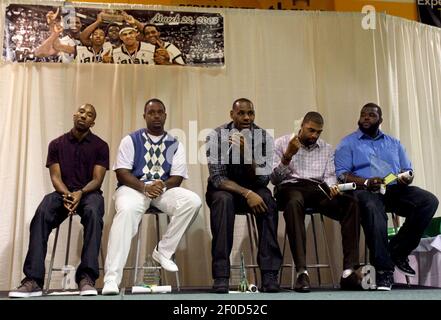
{"x": 110, "y": 16}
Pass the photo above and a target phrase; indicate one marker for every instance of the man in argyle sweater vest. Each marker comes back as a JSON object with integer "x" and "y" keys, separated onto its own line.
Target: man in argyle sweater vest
{"x": 150, "y": 168}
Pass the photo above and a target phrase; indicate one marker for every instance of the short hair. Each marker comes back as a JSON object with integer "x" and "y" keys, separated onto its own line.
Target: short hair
{"x": 89, "y": 105}
{"x": 99, "y": 28}
{"x": 154, "y": 100}
{"x": 242, "y": 100}
{"x": 113, "y": 24}
{"x": 373, "y": 105}
{"x": 313, "y": 117}
{"x": 150, "y": 25}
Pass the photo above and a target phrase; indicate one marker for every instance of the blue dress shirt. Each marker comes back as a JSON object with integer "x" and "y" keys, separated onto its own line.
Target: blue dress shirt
{"x": 367, "y": 157}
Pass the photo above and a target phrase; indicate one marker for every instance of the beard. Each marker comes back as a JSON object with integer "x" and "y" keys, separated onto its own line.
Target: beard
{"x": 371, "y": 131}
{"x": 307, "y": 142}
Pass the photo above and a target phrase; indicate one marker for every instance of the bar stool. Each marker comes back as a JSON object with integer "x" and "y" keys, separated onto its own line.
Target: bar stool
{"x": 317, "y": 265}
{"x": 66, "y": 258}
{"x": 253, "y": 241}
{"x": 156, "y": 212}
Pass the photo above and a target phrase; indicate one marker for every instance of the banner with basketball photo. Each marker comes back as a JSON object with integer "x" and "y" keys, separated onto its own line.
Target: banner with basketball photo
{"x": 73, "y": 33}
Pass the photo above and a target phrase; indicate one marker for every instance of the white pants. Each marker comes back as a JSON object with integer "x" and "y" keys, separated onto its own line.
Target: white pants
{"x": 180, "y": 204}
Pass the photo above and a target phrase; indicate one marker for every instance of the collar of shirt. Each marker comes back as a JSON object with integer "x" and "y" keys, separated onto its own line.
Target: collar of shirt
{"x": 232, "y": 127}
{"x": 361, "y": 135}
{"x": 71, "y": 137}
{"x": 311, "y": 147}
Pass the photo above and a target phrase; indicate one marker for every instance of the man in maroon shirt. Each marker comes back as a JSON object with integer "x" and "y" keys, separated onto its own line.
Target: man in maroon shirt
{"x": 77, "y": 163}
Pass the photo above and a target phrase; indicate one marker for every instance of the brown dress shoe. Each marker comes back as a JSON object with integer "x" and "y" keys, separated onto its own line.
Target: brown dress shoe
{"x": 302, "y": 283}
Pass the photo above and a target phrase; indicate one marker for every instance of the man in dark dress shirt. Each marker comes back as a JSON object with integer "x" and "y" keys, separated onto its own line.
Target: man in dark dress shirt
{"x": 77, "y": 163}
{"x": 239, "y": 161}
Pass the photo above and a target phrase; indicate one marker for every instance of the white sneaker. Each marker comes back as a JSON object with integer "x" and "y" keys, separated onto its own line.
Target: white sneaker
{"x": 110, "y": 288}
{"x": 167, "y": 264}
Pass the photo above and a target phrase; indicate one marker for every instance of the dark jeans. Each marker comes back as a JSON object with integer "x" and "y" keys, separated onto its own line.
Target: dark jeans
{"x": 293, "y": 198}
{"x": 223, "y": 207}
{"x": 49, "y": 215}
{"x": 416, "y": 204}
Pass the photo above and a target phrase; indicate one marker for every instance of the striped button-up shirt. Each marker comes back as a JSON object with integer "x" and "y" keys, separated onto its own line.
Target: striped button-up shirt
{"x": 315, "y": 162}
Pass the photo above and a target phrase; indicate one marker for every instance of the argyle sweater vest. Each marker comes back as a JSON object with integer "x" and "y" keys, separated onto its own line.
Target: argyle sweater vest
{"x": 152, "y": 160}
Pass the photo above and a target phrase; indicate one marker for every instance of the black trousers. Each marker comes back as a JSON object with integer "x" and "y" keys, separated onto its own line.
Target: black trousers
{"x": 293, "y": 198}
{"x": 49, "y": 215}
{"x": 416, "y": 204}
{"x": 223, "y": 207}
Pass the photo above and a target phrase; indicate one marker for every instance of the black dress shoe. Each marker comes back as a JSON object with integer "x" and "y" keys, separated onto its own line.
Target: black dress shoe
{"x": 221, "y": 285}
{"x": 351, "y": 282}
{"x": 302, "y": 283}
{"x": 270, "y": 282}
{"x": 402, "y": 264}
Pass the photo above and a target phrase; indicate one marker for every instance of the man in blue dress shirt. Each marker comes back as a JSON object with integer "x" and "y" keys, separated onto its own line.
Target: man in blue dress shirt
{"x": 366, "y": 157}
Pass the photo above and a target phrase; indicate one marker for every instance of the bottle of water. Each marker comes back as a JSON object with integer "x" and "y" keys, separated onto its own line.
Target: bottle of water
{"x": 68, "y": 281}
{"x": 151, "y": 273}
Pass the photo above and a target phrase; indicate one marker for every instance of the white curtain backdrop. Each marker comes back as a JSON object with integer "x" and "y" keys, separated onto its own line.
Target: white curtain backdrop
{"x": 286, "y": 62}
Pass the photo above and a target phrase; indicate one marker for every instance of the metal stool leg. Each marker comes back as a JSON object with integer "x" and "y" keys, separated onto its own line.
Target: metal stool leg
{"x": 158, "y": 238}
{"x": 69, "y": 232}
{"x": 102, "y": 258}
{"x": 290, "y": 265}
{"x": 138, "y": 246}
{"x": 252, "y": 235}
{"x": 328, "y": 252}
{"x": 366, "y": 252}
{"x": 316, "y": 250}
{"x": 283, "y": 258}
{"x": 66, "y": 258}
{"x": 51, "y": 264}
{"x": 396, "y": 224}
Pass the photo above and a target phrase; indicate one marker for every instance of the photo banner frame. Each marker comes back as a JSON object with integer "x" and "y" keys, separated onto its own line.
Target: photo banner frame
{"x": 79, "y": 34}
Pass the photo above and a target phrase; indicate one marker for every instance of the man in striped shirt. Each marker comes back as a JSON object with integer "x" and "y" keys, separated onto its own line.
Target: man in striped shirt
{"x": 302, "y": 162}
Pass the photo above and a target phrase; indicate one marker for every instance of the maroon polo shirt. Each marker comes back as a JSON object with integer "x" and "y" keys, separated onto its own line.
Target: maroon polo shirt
{"x": 77, "y": 159}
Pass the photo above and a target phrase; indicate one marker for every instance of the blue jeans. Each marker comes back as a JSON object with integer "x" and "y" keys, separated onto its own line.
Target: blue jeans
{"x": 415, "y": 204}
{"x": 49, "y": 215}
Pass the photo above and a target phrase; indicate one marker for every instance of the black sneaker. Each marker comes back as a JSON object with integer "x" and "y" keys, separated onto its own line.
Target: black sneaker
{"x": 385, "y": 280}
{"x": 403, "y": 266}
{"x": 28, "y": 288}
{"x": 221, "y": 285}
{"x": 270, "y": 282}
